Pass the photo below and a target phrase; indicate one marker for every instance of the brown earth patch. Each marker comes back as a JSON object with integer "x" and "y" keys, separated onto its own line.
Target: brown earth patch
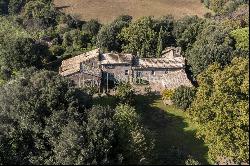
{"x": 107, "y": 10}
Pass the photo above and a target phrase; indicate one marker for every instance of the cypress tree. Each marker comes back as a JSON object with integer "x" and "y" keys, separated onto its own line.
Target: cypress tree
{"x": 159, "y": 45}
{"x": 142, "y": 52}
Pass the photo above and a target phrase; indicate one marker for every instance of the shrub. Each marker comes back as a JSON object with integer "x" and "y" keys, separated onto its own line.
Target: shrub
{"x": 167, "y": 94}
{"x": 183, "y": 96}
{"x": 191, "y": 161}
{"x": 125, "y": 94}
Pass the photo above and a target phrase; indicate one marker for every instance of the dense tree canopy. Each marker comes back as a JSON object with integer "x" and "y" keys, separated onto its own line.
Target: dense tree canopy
{"x": 242, "y": 38}
{"x": 183, "y": 97}
{"x": 39, "y": 14}
{"x": 140, "y": 37}
{"x": 31, "y": 104}
{"x": 213, "y": 44}
{"x": 107, "y": 38}
{"x": 186, "y": 31}
{"x": 46, "y": 120}
{"x": 21, "y": 53}
{"x": 221, "y": 110}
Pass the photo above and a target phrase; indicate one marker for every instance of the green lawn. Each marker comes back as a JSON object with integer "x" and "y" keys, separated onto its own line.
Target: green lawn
{"x": 174, "y": 135}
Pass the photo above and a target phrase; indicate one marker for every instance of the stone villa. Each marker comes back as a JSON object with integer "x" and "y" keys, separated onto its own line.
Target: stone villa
{"x": 95, "y": 68}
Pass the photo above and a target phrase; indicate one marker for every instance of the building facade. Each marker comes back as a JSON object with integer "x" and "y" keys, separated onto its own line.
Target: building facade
{"x": 93, "y": 68}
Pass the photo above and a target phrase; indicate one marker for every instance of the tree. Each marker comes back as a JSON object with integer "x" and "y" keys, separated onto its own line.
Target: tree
{"x": 183, "y": 96}
{"x": 10, "y": 30}
{"x": 134, "y": 141}
{"x": 75, "y": 40}
{"x": 241, "y": 37}
{"x": 213, "y": 44}
{"x": 91, "y": 27}
{"x": 139, "y": 36}
{"x": 224, "y": 7}
{"x": 38, "y": 105}
{"x": 21, "y": 53}
{"x": 217, "y": 5}
{"x": 44, "y": 119}
{"x": 107, "y": 38}
{"x": 165, "y": 26}
{"x": 125, "y": 94}
{"x": 39, "y": 15}
{"x": 186, "y": 31}
{"x": 15, "y": 6}
{"x": 159, "y": 44}
{"x": 221, "y": 110}
{"x": 90, "y": 142}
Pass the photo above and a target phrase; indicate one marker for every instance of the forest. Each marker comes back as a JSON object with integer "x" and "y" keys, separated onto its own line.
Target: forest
{"x": 45, "y": 119}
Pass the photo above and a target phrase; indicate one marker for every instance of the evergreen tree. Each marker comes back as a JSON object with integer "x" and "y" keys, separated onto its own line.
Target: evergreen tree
{"x": 142, "y": 51}
{"x": 159, "y": 45}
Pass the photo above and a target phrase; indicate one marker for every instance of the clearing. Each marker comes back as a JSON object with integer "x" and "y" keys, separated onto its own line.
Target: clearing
{"x": 173, "y": 132}
{"x": 107, "y": 10}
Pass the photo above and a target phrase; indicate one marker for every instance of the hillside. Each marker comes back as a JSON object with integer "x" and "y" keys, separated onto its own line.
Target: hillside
{"x": 106, "y": 10}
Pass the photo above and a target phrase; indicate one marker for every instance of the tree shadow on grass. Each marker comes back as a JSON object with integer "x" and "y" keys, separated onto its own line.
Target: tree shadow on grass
{"x": 173, "y": 144}
{"x": 105, "y": 101}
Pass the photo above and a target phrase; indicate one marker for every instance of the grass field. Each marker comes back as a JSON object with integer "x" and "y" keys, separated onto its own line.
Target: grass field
{"x": 174, "y": 134}
{"x": 107, "y": 10}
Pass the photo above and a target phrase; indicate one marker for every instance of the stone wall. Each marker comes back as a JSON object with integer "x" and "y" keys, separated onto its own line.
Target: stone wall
{"x": 83, "y": 79}
{"x": 94, "y": 62}
{"x": 162, "y": 79}
{"x": 119, "y": 71}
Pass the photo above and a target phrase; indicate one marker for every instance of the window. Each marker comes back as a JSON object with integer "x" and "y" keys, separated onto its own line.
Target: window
{"x": 126, "y": 72}
{"x": 152, "y": 72}
{"x": 138, "y": 74}
{"x": 81, "y": 66}
{"x": 110, "y": 67}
